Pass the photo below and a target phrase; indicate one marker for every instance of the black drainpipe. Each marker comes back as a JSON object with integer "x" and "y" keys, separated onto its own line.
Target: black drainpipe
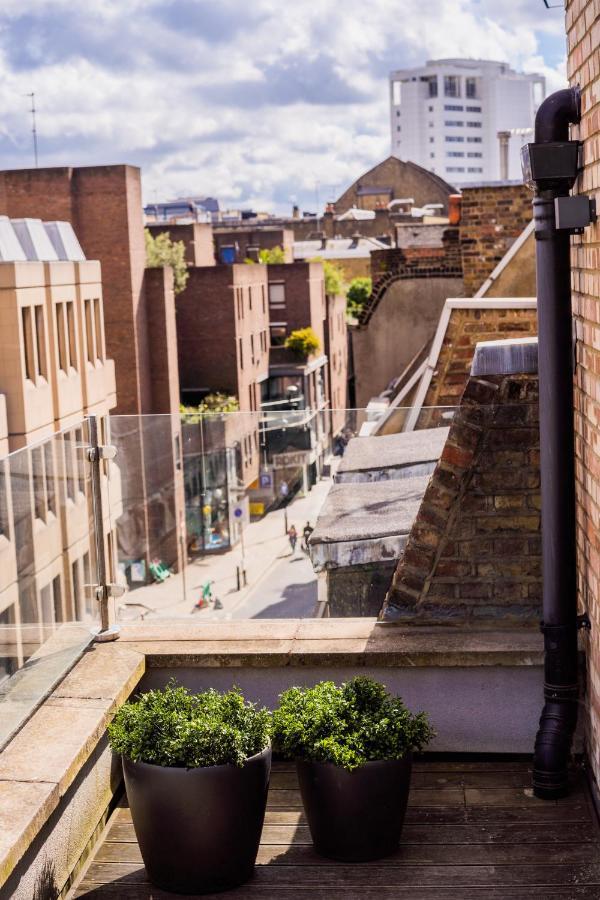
{"x": 552, "y": 176}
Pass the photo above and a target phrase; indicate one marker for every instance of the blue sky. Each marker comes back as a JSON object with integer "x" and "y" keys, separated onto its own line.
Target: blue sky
{"x": 261, "y": 104}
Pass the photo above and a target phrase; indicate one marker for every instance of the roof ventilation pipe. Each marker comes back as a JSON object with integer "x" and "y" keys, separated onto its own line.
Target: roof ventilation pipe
{"x": 550, "y": 167}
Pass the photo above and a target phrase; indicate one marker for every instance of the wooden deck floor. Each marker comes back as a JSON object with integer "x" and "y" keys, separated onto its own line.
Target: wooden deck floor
{"x": 473, "y": 830}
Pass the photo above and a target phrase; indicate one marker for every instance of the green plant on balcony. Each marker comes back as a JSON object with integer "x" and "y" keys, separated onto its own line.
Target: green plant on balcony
{"x": 268, "y": 256}
{"x": 358, "y": 295}
{"x": 353, "y": 746}
{"x": 218, "y": 402}
{"x": 161, "y": 251}
{"x": 196, "y": 769}
{"x": 303, "y": 342}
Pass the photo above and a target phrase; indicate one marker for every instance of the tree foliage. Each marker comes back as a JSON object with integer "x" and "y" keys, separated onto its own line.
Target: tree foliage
{"x": 334, "y": 276}
{"x": 161, "y": 251}
{"x": 213, "y": 403}
{"x": 358, "y": 295}
{"x": 272, "y": 256}
{"x": 303, "y": 342}
{"x": 349, "y": 725}
{"x": 173, "y": 727}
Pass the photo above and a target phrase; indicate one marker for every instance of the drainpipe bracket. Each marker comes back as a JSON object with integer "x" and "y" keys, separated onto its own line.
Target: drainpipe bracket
{"x": 584, "y": 622}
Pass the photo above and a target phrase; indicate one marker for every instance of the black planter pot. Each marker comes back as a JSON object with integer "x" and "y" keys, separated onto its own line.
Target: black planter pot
{"x": 355, "y": 816}
{"x": 198, "y": 829}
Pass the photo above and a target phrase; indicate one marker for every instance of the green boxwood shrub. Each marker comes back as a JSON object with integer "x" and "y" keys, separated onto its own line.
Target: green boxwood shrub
{"x": 349, "y": 725}
{"x": 303, "y": 342}
{"x": 173, "y": 727}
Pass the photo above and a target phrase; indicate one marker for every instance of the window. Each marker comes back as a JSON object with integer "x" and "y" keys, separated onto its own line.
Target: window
{"x": 432, "y": 156}
{"x": 76, "y": 588}
{"x": 89, "y": 329}
{"x": 476, "y": 169}
{"x": 71, "y": 334}
{"x": 433, "y": 86}
{"x": 451, "y": 86}
{"x": 473, "y": 124}
{"x": 471, "y": 88}
{"x": 250, "y": 297}
{"x": 454, "y": 139}
{"x": 398, "y": 128}
{"x": 69, "y": 468}
{"x": 251, "y": 396}
{"x": 397, "y": 112}
{"x": 42, "y": 368}
{"x": 473, "y": 140}
{"x": 252, "y": 349}
{"x": 454, "y": 169}
{"x": 473, "y": 109}
{"x": 277, "y": 295}
{"x": 49, "y": 467}
{"x": 61, "y": 334}
{"x": 263, "y": 293}
{"x": 57, "y": 599}
{"x": 241, "y": 350}
{"x": 80, "y": 460}
{"x": 431, "y": 140}
{"x": 27, "y": 323}
{"x": 455, "y": 153}
{"x": 431, "y": 109}
{"x": 98, "y": 329}
{"x": 450, "y": 107}
{"x": 39, "y": 483}
{"x": 453, "y": 123}
{"x": 475, "y": 154}
{"x": 278, "y": 335}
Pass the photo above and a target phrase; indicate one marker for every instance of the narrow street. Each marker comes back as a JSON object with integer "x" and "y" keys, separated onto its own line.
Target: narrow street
{"x": 286, "y": 586}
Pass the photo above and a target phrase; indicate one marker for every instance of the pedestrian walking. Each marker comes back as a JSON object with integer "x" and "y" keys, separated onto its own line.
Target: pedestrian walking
{"x": 292, "y": 537}
{"x": 306, "y": 533}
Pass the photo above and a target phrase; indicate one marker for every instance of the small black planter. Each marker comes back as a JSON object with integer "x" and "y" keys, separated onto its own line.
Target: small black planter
{"x": 198, "y": 829}
{"x": 355, "y": 816}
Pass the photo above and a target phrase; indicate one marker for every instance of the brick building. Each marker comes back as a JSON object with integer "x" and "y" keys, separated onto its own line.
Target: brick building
{"x": 391, "y": 180}
{"x": 197, "y": 239}
{"x": 234, "y": 244}
{"x": 103, "y": 204}
{"x": 583, "y": 67}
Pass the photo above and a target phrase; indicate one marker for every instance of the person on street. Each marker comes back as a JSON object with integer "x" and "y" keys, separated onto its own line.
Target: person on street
{"x": 292, "y": 537}
{"x": 306, "y": 533}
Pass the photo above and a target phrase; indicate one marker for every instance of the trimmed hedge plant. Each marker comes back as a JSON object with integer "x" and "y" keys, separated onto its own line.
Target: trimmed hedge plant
{"x": 173, "y": 727}
{"x": 349, "y": 725}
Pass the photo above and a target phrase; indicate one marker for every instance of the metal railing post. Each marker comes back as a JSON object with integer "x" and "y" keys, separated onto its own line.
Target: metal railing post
{"x": 103, "y": 589}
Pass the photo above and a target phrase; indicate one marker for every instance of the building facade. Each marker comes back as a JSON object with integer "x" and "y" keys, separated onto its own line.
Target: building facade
{"x": 446, "y": 116}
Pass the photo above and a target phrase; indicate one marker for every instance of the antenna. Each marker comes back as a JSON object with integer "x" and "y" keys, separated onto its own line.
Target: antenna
{"x": 33, "y": 128}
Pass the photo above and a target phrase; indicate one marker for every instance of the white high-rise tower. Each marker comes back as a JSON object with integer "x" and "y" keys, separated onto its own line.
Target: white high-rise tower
{"x": 446, "y": 117}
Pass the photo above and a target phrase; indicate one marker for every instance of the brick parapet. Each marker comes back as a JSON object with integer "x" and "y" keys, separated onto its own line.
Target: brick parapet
{"x": 473, "y": 553}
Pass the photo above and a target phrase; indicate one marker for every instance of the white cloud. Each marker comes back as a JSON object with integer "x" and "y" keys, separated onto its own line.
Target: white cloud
{"x": 251, "y": 103}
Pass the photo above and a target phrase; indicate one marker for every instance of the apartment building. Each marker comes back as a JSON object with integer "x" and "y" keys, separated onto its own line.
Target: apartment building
{"x": 234, "y": 244}
{"x": 104, "y": 206}
{"x": 446, "y": 116}
{"x": 54, "y": 372}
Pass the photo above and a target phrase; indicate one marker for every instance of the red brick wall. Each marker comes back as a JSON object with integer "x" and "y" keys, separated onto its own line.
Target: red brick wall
{"x": 583, "y": 68}
{"x": 473, "y": 553}
{"x": 197, "y": 238}
{"x": 492, "y": 217}
{"x": 466, "y": 328}
{"x": 304, "y": 296}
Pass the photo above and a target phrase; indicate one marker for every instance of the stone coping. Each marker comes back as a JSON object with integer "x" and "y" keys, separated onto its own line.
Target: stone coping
{"x": 42, "y": 761}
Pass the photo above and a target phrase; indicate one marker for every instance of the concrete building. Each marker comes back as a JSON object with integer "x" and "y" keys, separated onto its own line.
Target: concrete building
{"x": 54, "y": 372}
{"x": 103, "y": 204}
{"x": 446, "y": 116}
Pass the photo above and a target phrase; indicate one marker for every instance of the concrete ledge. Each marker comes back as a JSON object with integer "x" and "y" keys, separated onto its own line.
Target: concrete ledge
{"x": 513, "y": 356}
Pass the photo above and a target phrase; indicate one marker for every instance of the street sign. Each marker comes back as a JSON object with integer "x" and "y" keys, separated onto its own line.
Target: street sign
{"x": 265, "y": 479}
{"x": 238, "y": 512}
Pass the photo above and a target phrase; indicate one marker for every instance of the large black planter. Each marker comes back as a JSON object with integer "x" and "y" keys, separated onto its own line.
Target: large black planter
{"x": 198, "y": 829}
{"x": 355, "y": 816}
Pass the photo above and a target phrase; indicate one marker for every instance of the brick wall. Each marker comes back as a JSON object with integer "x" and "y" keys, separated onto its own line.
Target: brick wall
{"x": 466, "y": 328}
{"x": 406, "y": 179}
{"x": 197, "y": 238}
{"x": 492, "y": 216}
{"x": 583, "y": 68}
{"x": 473, "y": 553}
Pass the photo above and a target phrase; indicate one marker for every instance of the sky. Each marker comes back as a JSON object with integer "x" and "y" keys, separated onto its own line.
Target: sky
{"x": 261, "y": 104}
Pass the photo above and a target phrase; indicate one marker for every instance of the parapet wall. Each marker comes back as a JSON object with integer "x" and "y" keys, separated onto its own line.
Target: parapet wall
{"x": 473, "y": 555}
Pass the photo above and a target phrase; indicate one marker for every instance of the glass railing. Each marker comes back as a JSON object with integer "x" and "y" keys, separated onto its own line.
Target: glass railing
{"x": 48, "y": 567}
{"x": 218, "y": 510}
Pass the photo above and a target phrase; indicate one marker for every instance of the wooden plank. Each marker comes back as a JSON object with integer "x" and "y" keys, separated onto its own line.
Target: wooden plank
{"x": 443, "y": 796}
{"x": 252, "y": 891}
{"x": 287, "y": 780}
{"x": 287, "y": 835}
{"x": 408, "y": 854}
{"x": 517, "y": 797}
{"x": 376, "y": 875}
